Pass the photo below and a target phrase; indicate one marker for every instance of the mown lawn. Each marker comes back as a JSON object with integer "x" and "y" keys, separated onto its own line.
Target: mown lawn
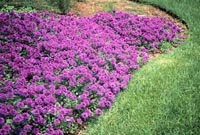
{"x": 164, "y": 96}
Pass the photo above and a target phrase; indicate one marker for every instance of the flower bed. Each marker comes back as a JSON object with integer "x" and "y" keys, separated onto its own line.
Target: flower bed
{"x": 59, "y": 71}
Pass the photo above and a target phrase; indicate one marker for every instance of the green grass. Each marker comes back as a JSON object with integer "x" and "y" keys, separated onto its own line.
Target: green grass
{"x": 109, "y": 7}
{"x": 163, "y": 97}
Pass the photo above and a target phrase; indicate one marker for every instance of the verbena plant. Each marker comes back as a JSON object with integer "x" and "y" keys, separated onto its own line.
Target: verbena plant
{"x": 57, "y": 72}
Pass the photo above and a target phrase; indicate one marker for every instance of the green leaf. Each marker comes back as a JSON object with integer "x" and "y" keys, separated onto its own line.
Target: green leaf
{"x": 8, "y": 121}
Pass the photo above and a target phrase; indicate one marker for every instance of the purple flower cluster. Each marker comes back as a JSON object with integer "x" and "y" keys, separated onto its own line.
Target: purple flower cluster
{"x": 140, "y": 31}
{"x": 58, "y": 71}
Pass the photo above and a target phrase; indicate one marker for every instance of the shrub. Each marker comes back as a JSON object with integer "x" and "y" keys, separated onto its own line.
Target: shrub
{"x": 7, "y": 9}
{"x": 59, "y": 71}
{"x": 64, "y": 5}
{"x": 60, "y": 6}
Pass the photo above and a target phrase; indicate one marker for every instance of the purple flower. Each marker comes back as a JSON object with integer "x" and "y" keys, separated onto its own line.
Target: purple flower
{"x": 79, "y": 121}
{"x": 2, "y": 121}
{"x": 98, "y": 112}
{"x": 49, "y": 99}
{"x": 101, "y": 104}
{"x": 56, "y": 122}
{"x": 100, "y": 93}
{"x": 116, "y": 90}
{"x": 35, "y": 112}
{"x": 110, "y": 96}
{"x": 61, "y": 116}
{"x": 58, "y": 132}
{"x": 3, "y": 97}
{"x": 29, "y": 102}
{"x": 18, "y": 119}
{"x": 83, "y": 97}
{"x": 108, "y": 104}
{"x": 78, "y": 107}
{"x": 6, "y": 128}
{"x": 93, "y": 88}
{"x": 35, "y": 130}
{"x": 112, "y": 84}
{"x": 26, "y": 116}
{"x": 27, "y": 127}
{"x": 40, "y": 120}
{"x": 72, "y": 120}
{"x": 83, "y": 104}
{"x": 20, "y": 105}
{"x": 73, "y": 97}
{"x": 3, "y": 112}
{"x": 85, "y": 115}
{"x": 145, "y": 58}
{"x": 13, "y": 112}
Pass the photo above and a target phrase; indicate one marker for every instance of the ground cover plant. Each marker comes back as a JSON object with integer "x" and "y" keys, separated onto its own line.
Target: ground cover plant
{"x": 59, "y": 71}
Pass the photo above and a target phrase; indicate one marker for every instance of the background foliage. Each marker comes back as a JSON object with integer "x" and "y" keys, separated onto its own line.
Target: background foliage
{"x": 58, "y": 6}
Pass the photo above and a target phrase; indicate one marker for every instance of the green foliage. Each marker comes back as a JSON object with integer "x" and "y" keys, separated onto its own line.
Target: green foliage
{"x": 109, "y": 7}
{"x": 81, "y": 0}
{"x": 59, "y": 6}
{"x": 64, "y": 5}
{"x": 164, "y": 46}
{"x": 7, "y": 9}
{"x": 17, "y": 3}
{"x": 16, "y": 6}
